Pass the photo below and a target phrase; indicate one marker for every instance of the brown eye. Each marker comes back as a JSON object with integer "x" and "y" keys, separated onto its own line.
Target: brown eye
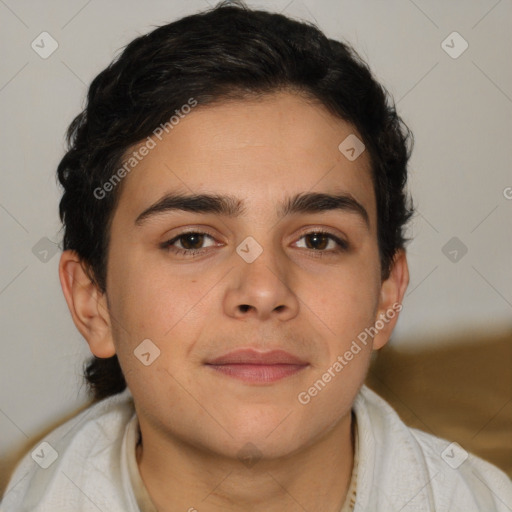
{"x": 189, "y": 243}
{"x": 317, "y": 241}
{"x": 324, "y": 242}
{"x": 191, "y": 240}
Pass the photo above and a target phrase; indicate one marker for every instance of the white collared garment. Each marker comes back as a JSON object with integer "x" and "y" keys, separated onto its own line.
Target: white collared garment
{"x": 396, "y": 468}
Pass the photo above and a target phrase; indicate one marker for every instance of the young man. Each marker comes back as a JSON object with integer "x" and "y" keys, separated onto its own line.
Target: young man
{"x": 234, "y": 206}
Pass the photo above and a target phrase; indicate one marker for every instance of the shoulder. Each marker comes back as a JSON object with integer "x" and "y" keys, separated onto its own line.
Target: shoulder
{"x": 58, "y": 471}
{"x": 414, "y": 470}
{"x": 466, "y": 474}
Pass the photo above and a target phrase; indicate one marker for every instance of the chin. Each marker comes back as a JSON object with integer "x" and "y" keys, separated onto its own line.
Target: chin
{"x": 268, "y": 439}
{"x": 252, "y": 449}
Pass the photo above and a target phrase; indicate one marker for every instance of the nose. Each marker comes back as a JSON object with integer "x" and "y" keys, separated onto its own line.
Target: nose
{"x": 261, "y": 289}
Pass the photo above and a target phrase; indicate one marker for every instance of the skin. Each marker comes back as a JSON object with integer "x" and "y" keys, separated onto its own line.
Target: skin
{"x": 194, "y": 421}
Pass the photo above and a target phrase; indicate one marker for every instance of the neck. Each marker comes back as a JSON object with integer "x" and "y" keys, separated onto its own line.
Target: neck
{"x": 179, "y": 477}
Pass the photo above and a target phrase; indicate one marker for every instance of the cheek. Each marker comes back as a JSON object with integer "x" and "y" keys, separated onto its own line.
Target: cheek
{"x": 330, "y": 395}
{"x": 347, "y": 300}
{"x": 152, "y": 300}
{"x": 346, "y": 307}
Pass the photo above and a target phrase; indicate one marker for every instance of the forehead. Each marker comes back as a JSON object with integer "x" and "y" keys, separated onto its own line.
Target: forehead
{"x": 260, "y": 150}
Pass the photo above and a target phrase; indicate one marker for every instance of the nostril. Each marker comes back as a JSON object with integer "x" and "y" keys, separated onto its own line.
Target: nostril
{"x": 244, "y": 308}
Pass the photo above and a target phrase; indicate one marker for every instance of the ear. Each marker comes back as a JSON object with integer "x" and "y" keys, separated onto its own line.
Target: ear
{"x": 87, "y": 304}
{"x": 390, "y": 301}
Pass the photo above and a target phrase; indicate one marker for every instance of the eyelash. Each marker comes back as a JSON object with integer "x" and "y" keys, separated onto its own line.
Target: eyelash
{"x": 343, "y": 246}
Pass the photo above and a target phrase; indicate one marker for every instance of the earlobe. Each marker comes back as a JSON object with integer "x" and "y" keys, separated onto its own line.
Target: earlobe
{"x": 87, "y": 305}
{"x": 390, "y": 302}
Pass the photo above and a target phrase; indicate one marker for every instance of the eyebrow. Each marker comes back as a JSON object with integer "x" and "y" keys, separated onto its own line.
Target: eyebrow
{"x": 230, "y": 206}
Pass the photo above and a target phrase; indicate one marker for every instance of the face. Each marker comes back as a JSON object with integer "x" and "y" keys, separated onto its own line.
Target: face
{"x": 272, "y": 274}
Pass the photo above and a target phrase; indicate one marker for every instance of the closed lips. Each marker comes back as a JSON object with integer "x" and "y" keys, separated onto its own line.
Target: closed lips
{"x": 251, "y": 356}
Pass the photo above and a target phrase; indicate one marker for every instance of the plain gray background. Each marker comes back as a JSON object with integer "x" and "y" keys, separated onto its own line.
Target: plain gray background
{"x": 460, "y": 110}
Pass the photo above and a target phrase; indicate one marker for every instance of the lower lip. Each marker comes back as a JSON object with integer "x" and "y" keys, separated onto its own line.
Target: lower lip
{"x": 258, "y": 373}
